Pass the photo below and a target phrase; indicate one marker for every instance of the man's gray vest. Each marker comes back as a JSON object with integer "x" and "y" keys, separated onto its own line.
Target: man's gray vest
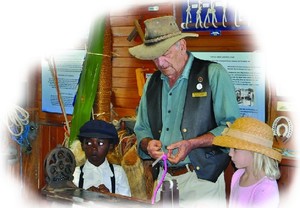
{"x": 198, "y": 119}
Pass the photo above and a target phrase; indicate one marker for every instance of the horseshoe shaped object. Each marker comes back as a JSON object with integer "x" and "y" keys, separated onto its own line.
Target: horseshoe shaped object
{"x": 287, "y": 126}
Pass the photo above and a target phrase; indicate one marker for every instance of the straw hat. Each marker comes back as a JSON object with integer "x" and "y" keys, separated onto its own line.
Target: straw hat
{"x": 249, "y": 134}
{"x": 160, "y": 34}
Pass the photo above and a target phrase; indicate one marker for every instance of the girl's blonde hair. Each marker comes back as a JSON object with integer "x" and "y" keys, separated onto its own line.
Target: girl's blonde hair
{"x": 266, "y": 164}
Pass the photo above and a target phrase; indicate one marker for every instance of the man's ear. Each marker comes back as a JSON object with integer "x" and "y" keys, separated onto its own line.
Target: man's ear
{"x": 183, "y": 45}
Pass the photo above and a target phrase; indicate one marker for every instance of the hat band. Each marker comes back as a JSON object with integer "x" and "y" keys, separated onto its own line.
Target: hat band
{"x": 247, "y": 137}
{"x": 160, "y": 38}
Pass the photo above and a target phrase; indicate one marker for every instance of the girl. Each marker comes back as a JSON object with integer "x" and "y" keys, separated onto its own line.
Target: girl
{"x": 254, "y": 183}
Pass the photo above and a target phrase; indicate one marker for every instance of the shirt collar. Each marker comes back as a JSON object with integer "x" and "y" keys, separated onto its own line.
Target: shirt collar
{"x": 188, "y": 65}
{"x": 103, "y": 167}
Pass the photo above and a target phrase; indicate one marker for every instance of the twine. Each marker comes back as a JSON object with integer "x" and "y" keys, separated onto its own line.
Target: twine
{"x": 97, "y": 54}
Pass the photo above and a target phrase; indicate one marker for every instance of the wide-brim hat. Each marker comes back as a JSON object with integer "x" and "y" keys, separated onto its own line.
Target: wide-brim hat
{"x": 98, "y": 129}
{"x": 249, "y": 134}
{"x": 160, "y": 34}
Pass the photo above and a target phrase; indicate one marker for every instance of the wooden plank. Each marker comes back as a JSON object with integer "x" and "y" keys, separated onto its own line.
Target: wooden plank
{"x": 54, "y": 118}
{"x": 141, "y": 7}
{"x": 128, "y": 20}
{"x": 249, "y": 48}
{"x": 52, "y": 138}
{"x": 125, "y": 82}
{"x": 121, "y": 21}
{"x": 125, "y": 93}
{"x": 124, "y": 112}
{"x": 30, "y": 163}
{"x": 220, "y": 41}
{"x": 131, "y": 63}
{"x": 122, "y": 41}
{"x": 227, "y": 32}
{"x": 121, "y": 31}
{"x": 123, "y": 72}
{"x": 229, "y": 40}
{"x": 44, "y": 149}
{"x": 126, "y": 102}
{"x": 287, "y": 177}
{"x": 121, "y": 52}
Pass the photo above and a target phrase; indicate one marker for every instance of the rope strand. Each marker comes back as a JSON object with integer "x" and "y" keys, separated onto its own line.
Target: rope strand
{"x": 164, "y": 158}
{"x": 17, "y": 119}
{"x": 52, "y": 67}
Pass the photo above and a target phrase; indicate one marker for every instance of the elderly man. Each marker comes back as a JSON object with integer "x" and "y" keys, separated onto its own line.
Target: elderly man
{"x": 185, "y": 104}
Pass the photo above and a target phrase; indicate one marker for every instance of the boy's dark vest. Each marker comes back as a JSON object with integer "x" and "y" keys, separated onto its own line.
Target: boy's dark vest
{"x": 198, "y": 118}
{"x": 113, "y": 180}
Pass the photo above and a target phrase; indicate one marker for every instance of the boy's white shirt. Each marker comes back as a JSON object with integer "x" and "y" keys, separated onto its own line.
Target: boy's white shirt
{"x": 94, "y": 176}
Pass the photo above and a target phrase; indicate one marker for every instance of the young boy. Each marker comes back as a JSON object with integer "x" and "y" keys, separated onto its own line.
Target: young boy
{"x": 254, "y": 183}
{"x": 97, "y": 174}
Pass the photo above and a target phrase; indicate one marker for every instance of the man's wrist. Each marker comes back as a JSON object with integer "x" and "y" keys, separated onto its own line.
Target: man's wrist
{"x": 144, "y": 144}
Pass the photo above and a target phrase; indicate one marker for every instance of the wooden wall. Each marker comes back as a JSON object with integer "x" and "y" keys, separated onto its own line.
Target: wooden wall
{"x": 125, "y": 98}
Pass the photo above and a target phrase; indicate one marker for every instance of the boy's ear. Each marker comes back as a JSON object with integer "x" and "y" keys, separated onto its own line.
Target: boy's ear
{"x": 111, "y": 146}
{"x": 82, "y": 144}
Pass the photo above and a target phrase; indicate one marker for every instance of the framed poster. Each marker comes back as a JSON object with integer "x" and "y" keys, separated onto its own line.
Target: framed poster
{"x": 248, "y": 76}
{"x": 69, "y": 66}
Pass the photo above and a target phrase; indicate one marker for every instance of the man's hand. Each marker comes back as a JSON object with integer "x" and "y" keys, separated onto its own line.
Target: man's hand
{"x": 183, "y": 149}
{"x": 154, "y": 149}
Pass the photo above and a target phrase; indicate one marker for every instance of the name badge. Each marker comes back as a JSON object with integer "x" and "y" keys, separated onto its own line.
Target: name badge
{"x": 199, "y": 94}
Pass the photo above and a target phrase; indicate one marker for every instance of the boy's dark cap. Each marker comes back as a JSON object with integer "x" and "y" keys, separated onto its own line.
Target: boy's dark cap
{"x": 98, "y": 129}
